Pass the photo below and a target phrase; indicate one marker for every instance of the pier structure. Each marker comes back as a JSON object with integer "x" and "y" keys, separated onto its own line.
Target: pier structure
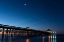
{"x": 19, "y": 31}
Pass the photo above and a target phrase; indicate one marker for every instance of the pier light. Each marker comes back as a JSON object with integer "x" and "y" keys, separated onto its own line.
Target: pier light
{"x": 8, "y": 29}
{"x": 0, "y": 28}
{"x": 28, "y": 28}
{"x": 51, "y": 32}
{"x": 55, "y": 32}
{"x": 5, "y": 29}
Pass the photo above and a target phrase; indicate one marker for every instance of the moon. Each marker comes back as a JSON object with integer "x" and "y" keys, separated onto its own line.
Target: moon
{"x": 25, "y": 4}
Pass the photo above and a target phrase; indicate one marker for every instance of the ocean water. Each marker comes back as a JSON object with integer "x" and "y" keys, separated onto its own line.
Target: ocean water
{"x": 50, "y": 38}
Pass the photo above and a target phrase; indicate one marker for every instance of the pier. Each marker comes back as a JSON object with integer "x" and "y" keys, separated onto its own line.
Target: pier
{"x": 18, "y": 31}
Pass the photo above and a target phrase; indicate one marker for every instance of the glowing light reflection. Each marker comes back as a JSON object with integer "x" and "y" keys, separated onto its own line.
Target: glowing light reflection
{"x": 53, "y": 32}
{"x": 55, "y": 36}
{"x": 53, "y": 39}
{"x": 51, "y": 36}
{"x": 48, "y": 38}
{"x": 27, "y": 40}
{"x": 43, "y": 39}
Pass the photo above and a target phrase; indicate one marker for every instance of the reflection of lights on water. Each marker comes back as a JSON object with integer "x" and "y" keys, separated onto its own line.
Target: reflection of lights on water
{"x": 55, "y": 36}
{"x": 43, "y": 39}
{"x": 55, "y": 39}
{"x": 51, "y": 36}
{"x": 27, "y": 40}
{"x": 51, "y": 40}
{"x": 48, "y": 38}
{"x": 10, "y": 39}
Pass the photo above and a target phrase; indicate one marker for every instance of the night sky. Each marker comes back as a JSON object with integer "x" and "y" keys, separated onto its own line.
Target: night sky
{"x": 36, "y": 14}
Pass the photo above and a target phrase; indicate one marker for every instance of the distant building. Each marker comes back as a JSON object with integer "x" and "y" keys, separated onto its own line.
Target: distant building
{"x": 48, "y": 30}
{"x": 27, "y": 27}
